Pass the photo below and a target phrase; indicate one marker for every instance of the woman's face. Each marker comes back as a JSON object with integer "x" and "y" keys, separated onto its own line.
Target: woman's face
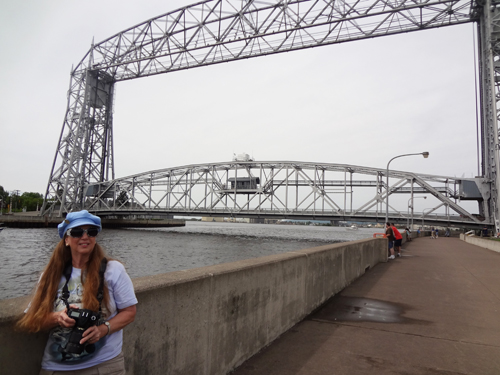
{"x": 81, "y": 246}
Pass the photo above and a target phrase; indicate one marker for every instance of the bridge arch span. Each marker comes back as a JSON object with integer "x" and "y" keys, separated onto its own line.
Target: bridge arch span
{"x": 282, "y": 190}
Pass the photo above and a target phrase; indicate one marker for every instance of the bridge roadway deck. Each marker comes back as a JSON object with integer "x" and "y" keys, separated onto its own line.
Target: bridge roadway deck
{"x": 436, "y": 310}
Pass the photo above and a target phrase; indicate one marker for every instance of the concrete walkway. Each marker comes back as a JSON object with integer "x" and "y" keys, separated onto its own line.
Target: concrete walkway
{"x": 434, "y": 311}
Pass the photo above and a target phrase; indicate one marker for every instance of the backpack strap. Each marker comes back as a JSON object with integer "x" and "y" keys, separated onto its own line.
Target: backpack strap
{"x": 68, "y": 269}
{"x": 100, "y": 290}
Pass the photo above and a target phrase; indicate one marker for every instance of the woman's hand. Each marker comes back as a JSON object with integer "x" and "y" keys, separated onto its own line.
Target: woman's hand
{"x": 64, "y": 320}
{"x": 60, "y": 319}
{"x": 94, "y": 334}
{"x": 119, "y": 321}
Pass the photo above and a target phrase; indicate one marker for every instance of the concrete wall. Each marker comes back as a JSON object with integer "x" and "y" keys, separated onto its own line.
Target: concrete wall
{"x": 209, "y": 320}
{"x": 482, "y": 242}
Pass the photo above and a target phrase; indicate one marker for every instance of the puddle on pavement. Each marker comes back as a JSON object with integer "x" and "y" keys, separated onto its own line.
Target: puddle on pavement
{"x": 341, "y": 308}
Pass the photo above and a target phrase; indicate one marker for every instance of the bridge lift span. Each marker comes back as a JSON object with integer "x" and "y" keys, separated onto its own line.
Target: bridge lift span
{"x": 217, "y": 31}
{"x": 283, "y": 190}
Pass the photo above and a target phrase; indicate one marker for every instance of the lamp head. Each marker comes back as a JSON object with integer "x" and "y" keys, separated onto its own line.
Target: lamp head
{"x": 425, "y": 154}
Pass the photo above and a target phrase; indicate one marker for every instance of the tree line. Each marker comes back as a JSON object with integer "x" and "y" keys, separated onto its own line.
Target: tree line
{"x": 15, "y": 202}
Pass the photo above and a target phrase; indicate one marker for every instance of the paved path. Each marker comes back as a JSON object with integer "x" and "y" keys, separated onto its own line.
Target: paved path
{"x": 434, "y": 311}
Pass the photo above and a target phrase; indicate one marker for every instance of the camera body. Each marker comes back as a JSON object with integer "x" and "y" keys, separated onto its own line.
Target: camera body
{"x": 84, "y": 319}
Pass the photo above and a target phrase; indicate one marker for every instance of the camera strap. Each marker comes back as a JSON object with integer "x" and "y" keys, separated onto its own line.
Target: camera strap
{"x": 68, "y": 269}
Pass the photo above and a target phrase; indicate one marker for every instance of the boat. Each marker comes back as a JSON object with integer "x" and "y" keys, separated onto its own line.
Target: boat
{"x": 353, "y": 227}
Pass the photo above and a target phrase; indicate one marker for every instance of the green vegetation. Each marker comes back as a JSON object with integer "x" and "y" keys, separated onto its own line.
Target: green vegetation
{"x": 15, "y": 202}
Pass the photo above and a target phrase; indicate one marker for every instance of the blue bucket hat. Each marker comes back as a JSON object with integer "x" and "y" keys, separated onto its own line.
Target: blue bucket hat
{"x": 77, "y": 219}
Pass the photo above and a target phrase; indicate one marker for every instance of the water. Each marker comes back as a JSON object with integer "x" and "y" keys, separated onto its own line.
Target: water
{"x": 25, "y": 252}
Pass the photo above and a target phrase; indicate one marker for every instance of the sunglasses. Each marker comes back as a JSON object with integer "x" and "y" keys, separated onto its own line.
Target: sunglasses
{"x": 78, "y": 232}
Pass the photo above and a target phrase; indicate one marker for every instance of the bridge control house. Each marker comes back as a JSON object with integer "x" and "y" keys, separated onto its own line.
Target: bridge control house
{"x": 244, "y": 185}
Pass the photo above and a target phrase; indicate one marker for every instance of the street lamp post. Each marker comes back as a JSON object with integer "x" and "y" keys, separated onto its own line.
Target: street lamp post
{"x": 424, "y": 154}
{"x": 423, "y": 215}
{"x": 411, "y": 206}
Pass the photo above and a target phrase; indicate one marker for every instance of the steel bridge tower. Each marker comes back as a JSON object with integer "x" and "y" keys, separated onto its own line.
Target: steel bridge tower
{"x": 217, "y": 31}
{"x": 487, "y": 16}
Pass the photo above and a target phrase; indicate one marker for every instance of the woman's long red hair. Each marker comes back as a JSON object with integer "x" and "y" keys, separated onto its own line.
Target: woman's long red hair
{"x": 42, "y": 303}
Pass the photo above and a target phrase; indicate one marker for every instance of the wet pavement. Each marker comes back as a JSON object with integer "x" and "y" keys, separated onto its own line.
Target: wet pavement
{"x": 354, "y": 309}
{"x": 434, "y": 311}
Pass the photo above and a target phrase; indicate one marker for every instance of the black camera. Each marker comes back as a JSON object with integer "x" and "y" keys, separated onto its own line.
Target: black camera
{"x": 84, "y": 319}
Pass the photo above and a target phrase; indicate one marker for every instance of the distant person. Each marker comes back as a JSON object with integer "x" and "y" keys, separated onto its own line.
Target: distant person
{"x": 447, "y": 233}
{"x": 408, "y": 234}
{"x": 390, "y": 237}
{"x": 433, "y": 236}
{"x": 485, "y": 231}
{"x": 437, "y": 233}
{"x": 80, "y": 283}
{"x": 398, "y": 239}
{"x": 418, "y": 232}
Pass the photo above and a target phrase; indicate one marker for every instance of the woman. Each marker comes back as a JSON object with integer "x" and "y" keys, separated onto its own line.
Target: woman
{"x": 100, "y": 297}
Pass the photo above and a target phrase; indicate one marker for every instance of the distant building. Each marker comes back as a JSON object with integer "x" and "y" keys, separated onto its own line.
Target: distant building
{"x": 257, "y": 220}
{"x": 215, "y": 219}
{"x": 236, "y": 220}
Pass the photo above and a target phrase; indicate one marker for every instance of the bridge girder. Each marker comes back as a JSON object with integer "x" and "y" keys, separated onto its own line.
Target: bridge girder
{"x": 283, "y": 189}
{"x": 216, "y": 31}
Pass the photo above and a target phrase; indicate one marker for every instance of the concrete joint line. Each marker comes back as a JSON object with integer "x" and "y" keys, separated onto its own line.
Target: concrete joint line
{"x": 404, "y": 333}
{"x": 209, "y": 328}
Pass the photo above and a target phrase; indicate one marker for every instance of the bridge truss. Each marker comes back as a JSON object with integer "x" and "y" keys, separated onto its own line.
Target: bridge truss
{"x": 284, "y": 190}
{"x": 216, "y": 31}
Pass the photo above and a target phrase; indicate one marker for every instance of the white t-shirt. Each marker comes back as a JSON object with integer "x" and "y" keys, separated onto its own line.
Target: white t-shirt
{"x": 121, "y": 295}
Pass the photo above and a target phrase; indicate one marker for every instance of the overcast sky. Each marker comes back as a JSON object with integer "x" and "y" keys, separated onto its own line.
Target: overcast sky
{"x": 358, "y": 103}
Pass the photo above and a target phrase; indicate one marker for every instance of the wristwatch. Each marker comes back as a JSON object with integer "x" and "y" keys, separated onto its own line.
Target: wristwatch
{"x": 109, "y": 327}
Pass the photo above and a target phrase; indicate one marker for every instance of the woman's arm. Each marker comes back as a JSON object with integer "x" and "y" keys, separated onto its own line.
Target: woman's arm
{"x": 123, "y": 318}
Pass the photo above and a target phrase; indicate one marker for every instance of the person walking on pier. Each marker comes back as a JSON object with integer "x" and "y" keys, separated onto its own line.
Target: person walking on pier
{"x": 84, "y": 299}
{"x": 390, "y": 236}
{"x": 398, "y": 239}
